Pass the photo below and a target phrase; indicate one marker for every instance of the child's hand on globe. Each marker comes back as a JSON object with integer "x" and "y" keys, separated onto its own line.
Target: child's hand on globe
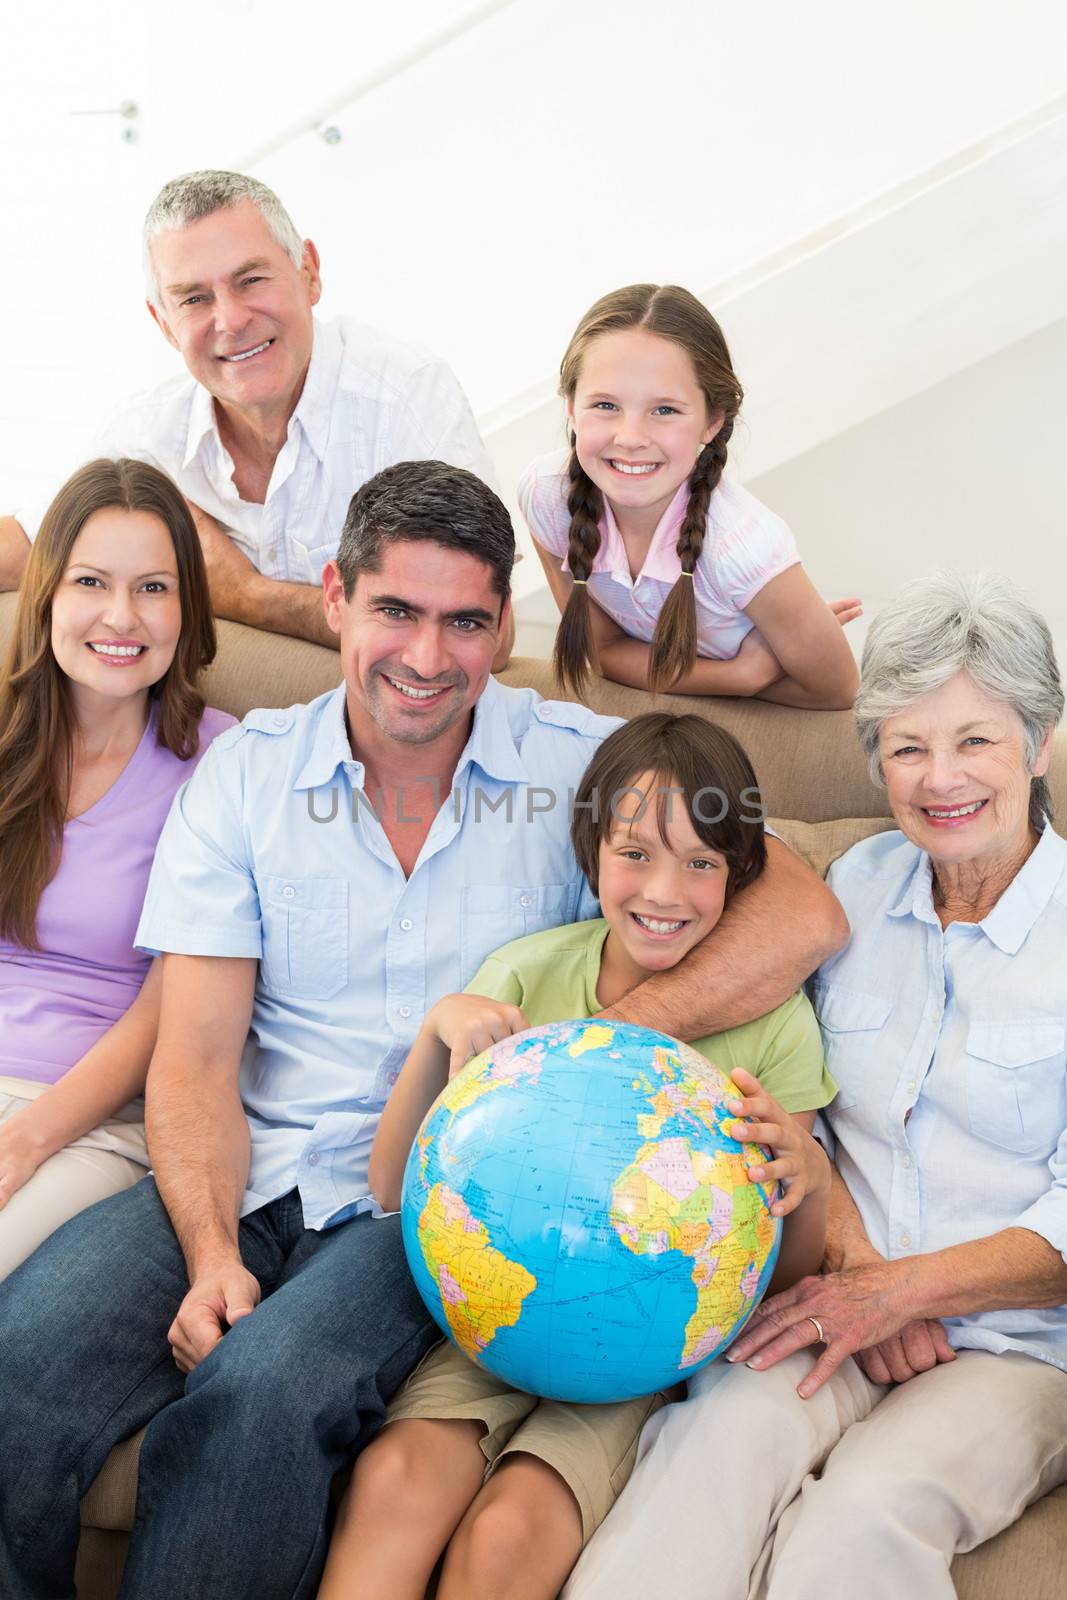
{"x": 800, "y": 1163}
{"x": 471, "y": 1023}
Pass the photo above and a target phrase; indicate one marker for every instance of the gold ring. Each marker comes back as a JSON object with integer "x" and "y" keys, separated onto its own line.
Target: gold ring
{"x": 818, "y": 1328}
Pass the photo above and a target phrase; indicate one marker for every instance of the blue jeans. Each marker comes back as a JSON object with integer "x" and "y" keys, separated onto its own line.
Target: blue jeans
{"x": 233, "y": 1493}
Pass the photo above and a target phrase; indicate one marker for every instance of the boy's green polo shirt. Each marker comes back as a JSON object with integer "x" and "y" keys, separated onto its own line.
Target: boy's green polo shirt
{"x": 553, "y": 976}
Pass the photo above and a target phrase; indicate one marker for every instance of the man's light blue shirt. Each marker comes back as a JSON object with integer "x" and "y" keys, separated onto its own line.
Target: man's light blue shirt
{"x": 273, "y": 850}
{"x": 949, "y": 1047}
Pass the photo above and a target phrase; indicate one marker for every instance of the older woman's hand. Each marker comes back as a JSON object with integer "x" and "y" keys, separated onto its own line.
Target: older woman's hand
{"x": 857, "y": 1309}
{"x": 919, "y": 1346}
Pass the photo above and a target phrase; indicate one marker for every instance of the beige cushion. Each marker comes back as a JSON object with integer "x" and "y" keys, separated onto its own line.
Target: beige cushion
{"x": 266, "y": 669}
{"x": 820, "y": 843}
{"x": 1028, "y": 1559}
{"x": 808, "y": 762}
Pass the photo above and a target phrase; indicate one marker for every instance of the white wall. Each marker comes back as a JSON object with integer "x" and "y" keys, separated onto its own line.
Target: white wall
{"x": 970, "y": 474}
{"x": 478, "y": 200}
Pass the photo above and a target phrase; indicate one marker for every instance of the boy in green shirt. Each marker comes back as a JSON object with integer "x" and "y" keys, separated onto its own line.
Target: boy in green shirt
{"x": 428, "y": 1484}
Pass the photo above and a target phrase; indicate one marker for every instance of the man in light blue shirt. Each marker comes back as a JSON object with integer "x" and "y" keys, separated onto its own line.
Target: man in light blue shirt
{"x": 332, "y": 871}
{"x": 284, "y": 853}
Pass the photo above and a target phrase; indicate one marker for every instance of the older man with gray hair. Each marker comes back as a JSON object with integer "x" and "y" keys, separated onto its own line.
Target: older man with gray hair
{"x": 281, "y": 417}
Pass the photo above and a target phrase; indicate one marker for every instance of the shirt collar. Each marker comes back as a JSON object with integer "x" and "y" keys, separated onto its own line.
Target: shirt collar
{"x": 330, "y": 748}
{"x": 313, "y": 409}
{"x": 201, "y": 422}
{"x": 916, "y": 896}
{"x": 662, "y": 559}
{"x": 1011, "y": 919}
{"x": 491, "y": 745}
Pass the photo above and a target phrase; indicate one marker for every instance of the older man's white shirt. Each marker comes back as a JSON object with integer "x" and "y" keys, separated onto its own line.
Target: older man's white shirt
{"x": 369, "y": 401}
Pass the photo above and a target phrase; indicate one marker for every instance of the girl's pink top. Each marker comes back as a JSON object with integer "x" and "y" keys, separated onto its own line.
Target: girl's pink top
{"x": 57, "y": 1001}
{"x": 744, "y": 548}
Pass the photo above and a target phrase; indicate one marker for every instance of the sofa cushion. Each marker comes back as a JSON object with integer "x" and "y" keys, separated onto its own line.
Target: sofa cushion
{"x": 820, "y": 843}
{"x": 808, "y": 762}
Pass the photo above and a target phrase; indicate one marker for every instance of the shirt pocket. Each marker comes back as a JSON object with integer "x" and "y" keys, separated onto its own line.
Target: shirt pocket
{"x": 852, "y": 1023}
{"x": 495, "y": 913}
{"x": 305, "y": 936}
{"x": 1017, "y": 1083}
{"x": 317, "y": 556}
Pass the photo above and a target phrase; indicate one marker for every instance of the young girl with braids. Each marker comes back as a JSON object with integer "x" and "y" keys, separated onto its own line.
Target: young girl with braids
{"x": 667, "y": 575}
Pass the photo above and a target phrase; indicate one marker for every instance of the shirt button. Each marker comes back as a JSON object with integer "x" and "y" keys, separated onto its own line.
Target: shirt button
{"x": 403, "y": 1011}
{"x": 905, "y": 1238}
{"x": 905, "y": 1161}
{"x": 288, "y": 891}
{"x": 524, "y": 900}
{"x": 911, "y": 1087}
{"x": 313, "y": 1159}
{"x": 279, "y": 722}
{"x": 407, "y": 924}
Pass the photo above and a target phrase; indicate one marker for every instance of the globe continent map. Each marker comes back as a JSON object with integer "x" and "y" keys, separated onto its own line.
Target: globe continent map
{"x": 577, "y": 1214}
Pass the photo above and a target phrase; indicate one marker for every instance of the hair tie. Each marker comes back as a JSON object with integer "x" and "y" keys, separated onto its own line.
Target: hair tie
{"x": 582, "y": 581}
{"x": 686, "y": 574}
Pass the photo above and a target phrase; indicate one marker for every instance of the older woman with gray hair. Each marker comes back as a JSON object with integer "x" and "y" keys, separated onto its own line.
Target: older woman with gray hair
{"x": 911, "y": 1401}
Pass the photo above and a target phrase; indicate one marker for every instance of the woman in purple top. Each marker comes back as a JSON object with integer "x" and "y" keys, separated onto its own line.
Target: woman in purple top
{"x": 100, "y": 724}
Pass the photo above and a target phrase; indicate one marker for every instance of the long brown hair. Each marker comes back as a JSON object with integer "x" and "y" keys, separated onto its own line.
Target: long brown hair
{"x": 36, "y": 714}
{"x": 672, "y": 313}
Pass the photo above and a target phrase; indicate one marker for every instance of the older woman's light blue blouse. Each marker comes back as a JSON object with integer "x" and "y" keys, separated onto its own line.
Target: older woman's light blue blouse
{"x": 949, "y": 1048}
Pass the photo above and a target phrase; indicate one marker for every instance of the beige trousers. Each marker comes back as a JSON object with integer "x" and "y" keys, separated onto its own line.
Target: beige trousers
{"x": 747, "y": 1490}
{"x": 101, "y": 1163}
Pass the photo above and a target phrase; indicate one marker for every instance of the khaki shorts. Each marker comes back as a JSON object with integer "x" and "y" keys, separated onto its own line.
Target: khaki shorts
{"x": 591, "y": 1447}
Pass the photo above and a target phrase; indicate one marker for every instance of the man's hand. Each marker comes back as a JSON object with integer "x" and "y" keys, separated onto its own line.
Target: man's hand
{"x": 470, "y": 1023}
{"x": 218, "y": 1298}
{"x": 241, "y": 593}
{"x": 229, "y": 571}
{"x": 855, "y": 1310}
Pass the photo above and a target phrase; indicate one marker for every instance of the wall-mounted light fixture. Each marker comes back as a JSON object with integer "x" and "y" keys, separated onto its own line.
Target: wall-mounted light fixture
{"x": 128, "y": 110}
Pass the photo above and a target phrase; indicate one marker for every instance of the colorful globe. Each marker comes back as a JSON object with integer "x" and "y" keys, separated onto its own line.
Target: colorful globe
{"x": 578, "y": 1217}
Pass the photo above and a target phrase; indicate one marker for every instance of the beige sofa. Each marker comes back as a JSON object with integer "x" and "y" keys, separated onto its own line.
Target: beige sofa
{"x": 811, "y": 774}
